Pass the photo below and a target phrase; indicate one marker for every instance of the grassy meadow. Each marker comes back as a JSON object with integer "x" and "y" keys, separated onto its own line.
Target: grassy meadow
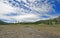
{"x": 48, "y": 28}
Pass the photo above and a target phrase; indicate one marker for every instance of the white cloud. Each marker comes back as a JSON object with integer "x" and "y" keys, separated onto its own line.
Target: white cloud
{"x": 5, "y": 8}
{"x": 25, "y": 15}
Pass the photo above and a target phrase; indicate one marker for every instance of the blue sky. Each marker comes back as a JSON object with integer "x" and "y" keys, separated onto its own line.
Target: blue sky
{"x": 14, "y": 11}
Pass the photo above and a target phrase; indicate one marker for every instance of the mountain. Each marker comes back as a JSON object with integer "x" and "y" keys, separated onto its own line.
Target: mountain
{"x": 50, "y": 21}
{"x": 47, "y": 22}
{"x": 2, "y": 23}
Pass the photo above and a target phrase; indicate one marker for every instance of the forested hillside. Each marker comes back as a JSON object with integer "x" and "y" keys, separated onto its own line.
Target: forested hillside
{"x": 2, "y": 23}
{"x": 48, "y": 22}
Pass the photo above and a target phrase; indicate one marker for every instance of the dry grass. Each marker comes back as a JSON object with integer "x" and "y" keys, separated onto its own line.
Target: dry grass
{"x": 50, "y": 30}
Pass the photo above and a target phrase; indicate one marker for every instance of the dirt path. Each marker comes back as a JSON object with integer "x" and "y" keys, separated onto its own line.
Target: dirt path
{"x": 17, "y": 32}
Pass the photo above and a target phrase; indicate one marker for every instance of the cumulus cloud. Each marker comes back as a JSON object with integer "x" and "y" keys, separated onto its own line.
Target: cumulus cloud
{"x": 30, "y": 12}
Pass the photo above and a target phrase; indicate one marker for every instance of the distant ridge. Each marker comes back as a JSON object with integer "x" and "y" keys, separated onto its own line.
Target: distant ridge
{"x": 49, "y": 22}
{"x": 2, "y": 23}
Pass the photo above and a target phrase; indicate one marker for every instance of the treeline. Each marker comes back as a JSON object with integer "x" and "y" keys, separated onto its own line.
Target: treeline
{"x": 3, "y": 23}
{"x": 48, "y": 22}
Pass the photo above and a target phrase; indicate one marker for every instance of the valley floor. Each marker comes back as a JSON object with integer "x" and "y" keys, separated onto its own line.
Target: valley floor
{"x": 29, "y": 31}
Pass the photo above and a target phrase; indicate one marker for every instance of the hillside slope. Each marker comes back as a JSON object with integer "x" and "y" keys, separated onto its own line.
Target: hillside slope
{"x": 49, "y": 22}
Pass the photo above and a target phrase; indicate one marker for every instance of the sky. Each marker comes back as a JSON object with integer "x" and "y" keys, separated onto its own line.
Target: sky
{"x": 14, "y": 11}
